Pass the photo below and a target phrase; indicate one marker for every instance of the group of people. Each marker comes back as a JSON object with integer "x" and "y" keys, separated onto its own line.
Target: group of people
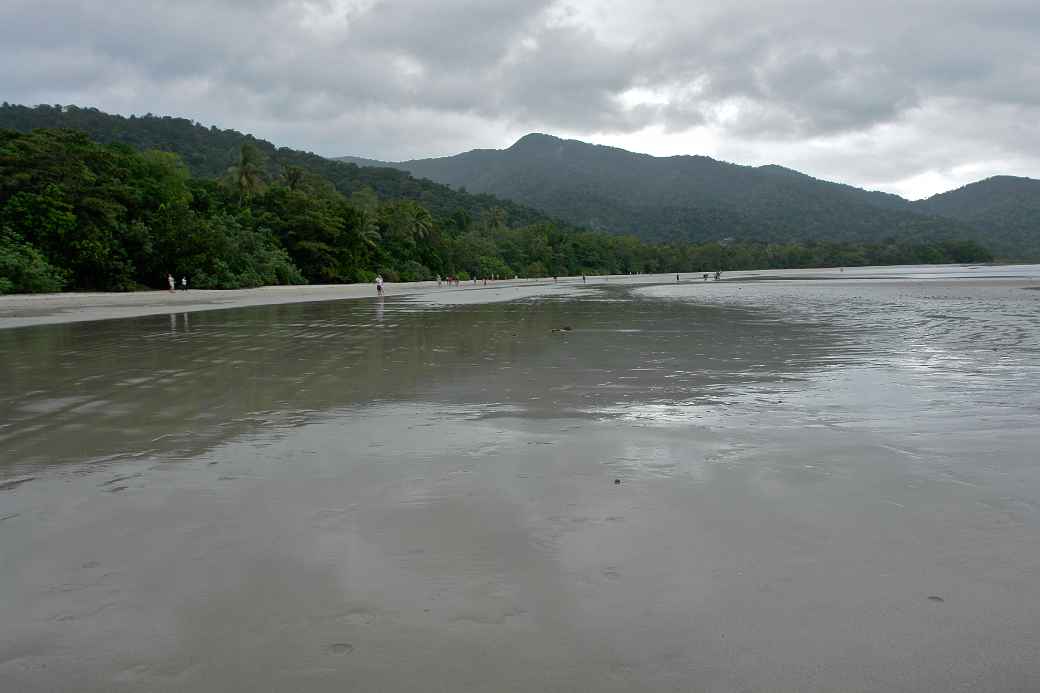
{"x": 173, "y": 283}
{"x": 454, "y": 281}
{"x": 451, "y": 280}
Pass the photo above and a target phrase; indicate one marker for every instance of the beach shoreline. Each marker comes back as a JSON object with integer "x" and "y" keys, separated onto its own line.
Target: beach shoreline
{"x": 25, "y": 310}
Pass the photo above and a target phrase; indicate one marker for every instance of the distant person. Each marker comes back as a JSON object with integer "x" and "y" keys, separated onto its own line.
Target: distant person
{"x": 184, "y": 283}
{"x": 555, "y": 279}
{"x": 379, "y": 284}
{"x": 718, "y": 275}
{"x": 676, "y": 277}
{"x": 438, "y": 281}
{"x": 705, "y": 276}
{"x": 583, "y": 279}
{"x": 169, "y": 280}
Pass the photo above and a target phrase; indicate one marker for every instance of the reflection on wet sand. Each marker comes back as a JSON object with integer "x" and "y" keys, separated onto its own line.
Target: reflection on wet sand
{"x": 824, "y": 488}
{"x": 122, "y": 387}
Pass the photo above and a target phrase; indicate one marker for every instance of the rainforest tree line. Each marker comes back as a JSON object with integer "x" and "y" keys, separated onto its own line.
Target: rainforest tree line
{"x": 79, "y": 215}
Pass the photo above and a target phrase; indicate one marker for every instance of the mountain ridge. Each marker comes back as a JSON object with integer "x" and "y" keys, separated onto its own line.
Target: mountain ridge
{"x": 95, "y": 201}
{"x": 697, "y": 198}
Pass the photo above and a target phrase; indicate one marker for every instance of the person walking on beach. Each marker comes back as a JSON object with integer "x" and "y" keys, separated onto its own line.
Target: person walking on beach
{"x": 184, "y": 283}
{"x": 169, "y": 280}
{"x": 379, "y": 284}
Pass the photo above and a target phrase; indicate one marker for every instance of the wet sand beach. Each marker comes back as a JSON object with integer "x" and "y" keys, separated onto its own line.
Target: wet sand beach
{"x": 828, "y": 482}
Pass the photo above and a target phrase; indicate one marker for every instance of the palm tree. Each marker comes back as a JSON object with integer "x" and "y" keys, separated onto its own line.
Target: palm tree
{"x": 421, "y": 221}
{"x": 368, "y": 228}
{"x": 407, "y": 221}
{"x": 367, "y": 205}
{"x": 247, "y": 176}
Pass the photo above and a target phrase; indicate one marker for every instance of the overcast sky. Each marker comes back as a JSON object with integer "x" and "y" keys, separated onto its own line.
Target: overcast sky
{"x": 912, "y": 97}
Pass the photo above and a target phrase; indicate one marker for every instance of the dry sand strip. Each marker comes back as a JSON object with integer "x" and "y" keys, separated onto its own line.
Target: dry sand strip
{"x": 24, "y": 310}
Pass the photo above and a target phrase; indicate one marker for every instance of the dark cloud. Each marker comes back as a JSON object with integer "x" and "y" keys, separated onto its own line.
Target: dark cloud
{"x": 810, "y": 81}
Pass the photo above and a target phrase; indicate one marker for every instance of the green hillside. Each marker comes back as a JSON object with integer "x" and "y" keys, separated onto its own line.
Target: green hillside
{"x": 1004, "y": 210}
{"x": 697, "y": 198}
{"x": 209, "y": 151}
{"x": 98, "y": 202}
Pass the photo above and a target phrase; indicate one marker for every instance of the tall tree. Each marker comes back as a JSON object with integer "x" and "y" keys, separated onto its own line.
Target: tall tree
{"x": 247, "y": 176}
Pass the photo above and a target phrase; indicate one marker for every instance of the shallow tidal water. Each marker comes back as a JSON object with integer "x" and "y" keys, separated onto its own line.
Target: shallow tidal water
{"x": 827, "y": 483}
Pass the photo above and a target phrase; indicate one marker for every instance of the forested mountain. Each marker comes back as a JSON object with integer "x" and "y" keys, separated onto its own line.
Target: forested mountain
{"x": 119, "y": 209}
{"x": 209, "y": 151}
{"x": 697, "y": 198}
{"x": 1005, "y": 210}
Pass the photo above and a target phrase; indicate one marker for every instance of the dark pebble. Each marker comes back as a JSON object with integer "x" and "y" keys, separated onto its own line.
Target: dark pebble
{"x": 340, "y": 648}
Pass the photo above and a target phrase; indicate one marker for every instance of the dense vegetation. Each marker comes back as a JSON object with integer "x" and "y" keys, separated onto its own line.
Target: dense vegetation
{"x": 696, "y": 198}
{"x": 81, "y": 215}
{"x": 78, "y": 214}
{"x": 209, "y": 151}
{"x": 1006, "y": 209}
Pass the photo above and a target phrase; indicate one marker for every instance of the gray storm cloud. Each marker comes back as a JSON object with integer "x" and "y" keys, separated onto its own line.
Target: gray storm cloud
{"x": 871, "y": 93}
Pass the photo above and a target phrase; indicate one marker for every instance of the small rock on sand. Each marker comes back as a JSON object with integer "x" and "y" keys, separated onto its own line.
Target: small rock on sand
{"x": 340, "y": 648}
